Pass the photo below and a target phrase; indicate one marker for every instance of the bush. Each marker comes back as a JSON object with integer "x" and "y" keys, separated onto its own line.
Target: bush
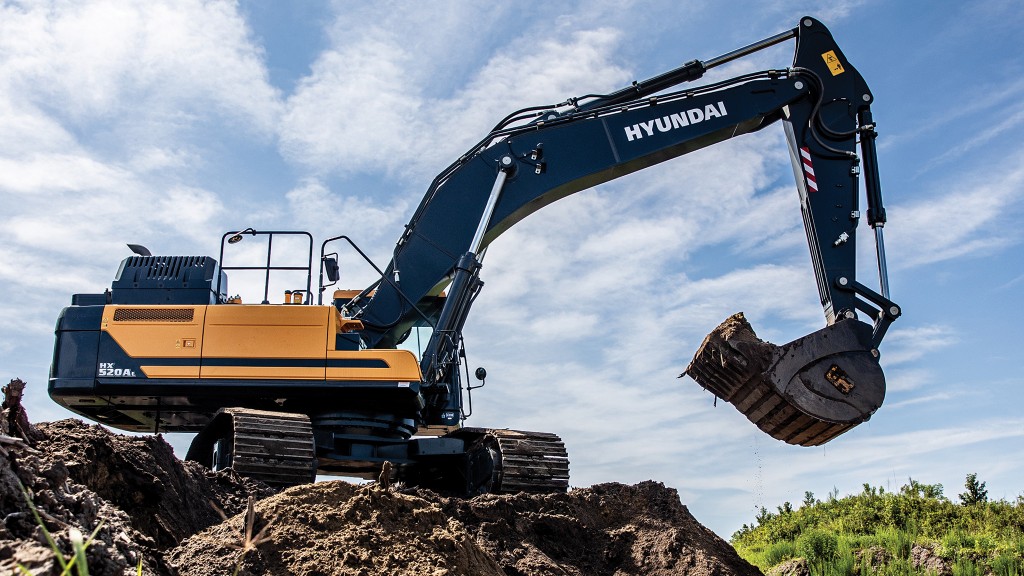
{"x": 897, "y": 542}
{"x": 1006, "y": 565}
{"x": 779, "y": 552}
{"x": 817, "y": 546}
{"x": 986, "y": 538}
{"x": 965, "y": 567}
{"x": 956, "y": 543}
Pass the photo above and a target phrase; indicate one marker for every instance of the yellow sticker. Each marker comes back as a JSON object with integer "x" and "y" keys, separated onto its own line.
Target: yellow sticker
{"x": 833, "y": 63}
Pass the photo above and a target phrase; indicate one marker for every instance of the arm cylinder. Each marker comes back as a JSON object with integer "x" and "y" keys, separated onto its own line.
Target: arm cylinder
{"x": 876, "y": 211}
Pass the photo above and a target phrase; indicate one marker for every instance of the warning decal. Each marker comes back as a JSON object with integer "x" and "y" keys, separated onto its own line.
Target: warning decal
{"x": 833, "y": 63}
{"x": 812, "y": 181}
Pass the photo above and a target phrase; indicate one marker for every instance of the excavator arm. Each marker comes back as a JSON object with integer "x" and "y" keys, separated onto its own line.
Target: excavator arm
{"x": 539, "y": 155}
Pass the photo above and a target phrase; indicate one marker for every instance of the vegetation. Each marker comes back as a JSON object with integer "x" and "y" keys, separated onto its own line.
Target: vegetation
{"x": 876, "y": 532}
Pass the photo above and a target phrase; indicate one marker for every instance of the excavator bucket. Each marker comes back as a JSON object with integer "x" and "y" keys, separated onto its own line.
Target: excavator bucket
{"x": 805, "y": 392}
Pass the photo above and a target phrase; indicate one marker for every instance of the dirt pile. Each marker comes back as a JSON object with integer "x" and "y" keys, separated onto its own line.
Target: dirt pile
{"x": 609, "y": 529}
{"x": 142, "y": 499}
{"x": 338, "y": 528}
{"x": 163, "y": 512}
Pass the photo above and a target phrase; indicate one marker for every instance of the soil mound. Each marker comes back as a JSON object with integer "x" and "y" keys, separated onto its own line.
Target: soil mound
{"x": 139, "y": 498}
{"x": 337, "y": 528}
{"x": 607, "y": 529}
{"x": 148, "y": 507}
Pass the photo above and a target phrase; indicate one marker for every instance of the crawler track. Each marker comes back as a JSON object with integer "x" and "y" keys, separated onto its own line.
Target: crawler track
{"x": 274, "y": 447}
{"x": 531, "y": 462}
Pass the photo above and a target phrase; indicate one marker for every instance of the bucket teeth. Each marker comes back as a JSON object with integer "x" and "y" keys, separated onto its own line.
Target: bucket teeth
{"x": 806, "y": 392}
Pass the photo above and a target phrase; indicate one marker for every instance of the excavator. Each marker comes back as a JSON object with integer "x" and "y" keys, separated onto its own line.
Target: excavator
{"x": 282, "y": 392}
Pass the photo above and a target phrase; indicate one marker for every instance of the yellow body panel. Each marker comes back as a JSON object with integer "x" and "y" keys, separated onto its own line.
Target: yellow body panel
{"x": 260, "y": 331}
{"x": 156, "y": 331}
{"x": 349, "y": 294}
{"x": 401, "y": 365}
{"x": 170, "y": 371}
{"x": 251, "y": 334}
{"x": 263, "y": 372}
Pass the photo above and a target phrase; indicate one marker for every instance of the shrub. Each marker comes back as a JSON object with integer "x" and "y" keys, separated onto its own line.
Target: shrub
{"x": 965, "y": 567}
{"x": 779, "y": 552}
{"x": 1006, "y": 565}
{"x": 817, "y": 546}
{"x": 955, "y": 543}
{"x": 897, "y": 542}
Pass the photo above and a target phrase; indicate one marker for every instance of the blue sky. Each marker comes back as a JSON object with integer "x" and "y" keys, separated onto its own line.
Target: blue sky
{"x": 169, "y": 123}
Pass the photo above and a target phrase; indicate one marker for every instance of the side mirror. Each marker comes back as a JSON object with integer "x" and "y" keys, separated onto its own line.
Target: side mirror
{"x": 331, "y": 268}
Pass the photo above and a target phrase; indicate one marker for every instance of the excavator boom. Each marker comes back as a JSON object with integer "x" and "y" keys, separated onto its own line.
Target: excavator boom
{"x": 824, "y": 105}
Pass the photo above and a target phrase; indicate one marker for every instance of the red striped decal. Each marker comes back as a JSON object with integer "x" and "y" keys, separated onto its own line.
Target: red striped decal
{"x": 805, "y": 156}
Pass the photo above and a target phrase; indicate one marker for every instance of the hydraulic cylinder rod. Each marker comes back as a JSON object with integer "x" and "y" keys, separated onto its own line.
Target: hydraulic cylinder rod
{"x": 688, "y": 72}
{"x": 873, "y": 187}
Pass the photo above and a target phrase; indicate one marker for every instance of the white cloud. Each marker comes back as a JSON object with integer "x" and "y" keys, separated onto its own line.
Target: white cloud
{"x": 906, "y": 345}
{"x": 355, "y": 113}
{"x": 57, "y": 172}
{"x": 1009, "y": 122}
{"x": 962, "y": 219}
{"x": 187, "y": 210}
{"x": 371, "y": 222}
{"x": 984, "y": 98}
{"x": 766, "y": 290}
{"x": 938, "y": 397}
{"x": 152, "y": 158}
{"x": 95, "y": 96}
{"x": 368, "y": 103}
{"x": 93, "y": 62}
{"x": 903, "y": 380}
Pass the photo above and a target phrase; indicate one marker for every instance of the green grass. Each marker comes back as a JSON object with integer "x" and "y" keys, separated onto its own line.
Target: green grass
{"x": 840, "y": 536}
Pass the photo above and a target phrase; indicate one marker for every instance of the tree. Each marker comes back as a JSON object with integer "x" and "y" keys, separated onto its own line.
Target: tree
{"x": 976, "y": 492}
{"x": 809, "y": 498}
{"x": 915, "y": 488}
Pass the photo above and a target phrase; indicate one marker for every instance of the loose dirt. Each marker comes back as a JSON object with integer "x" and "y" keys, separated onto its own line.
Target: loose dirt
{"x": 132, "y": 491}
{"x": 147, "y": 506}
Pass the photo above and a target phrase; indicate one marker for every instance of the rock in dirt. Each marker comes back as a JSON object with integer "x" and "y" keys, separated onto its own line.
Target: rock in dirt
{"x": 925, "y": 559}
{"x": 794, "y": 567}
